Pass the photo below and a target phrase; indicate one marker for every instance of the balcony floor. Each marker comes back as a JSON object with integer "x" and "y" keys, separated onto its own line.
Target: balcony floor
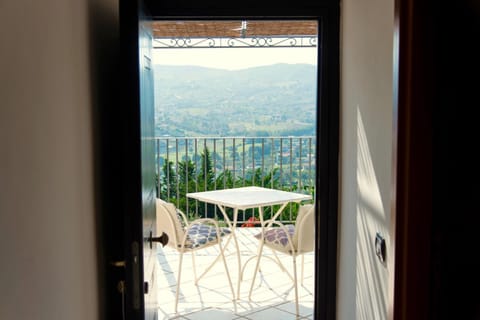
{"x": 273, "y": 296}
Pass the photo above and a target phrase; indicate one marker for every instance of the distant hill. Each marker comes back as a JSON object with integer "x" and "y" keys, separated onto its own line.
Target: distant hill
{"x": 264, "y": 101}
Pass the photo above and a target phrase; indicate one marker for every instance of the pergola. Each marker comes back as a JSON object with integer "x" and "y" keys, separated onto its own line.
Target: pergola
{"x": 234, "y": 33}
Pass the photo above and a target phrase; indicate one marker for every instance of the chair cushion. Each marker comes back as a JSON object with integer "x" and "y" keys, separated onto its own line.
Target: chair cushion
{"x": 201, "y": 235}
{"x": 276, "y": 237}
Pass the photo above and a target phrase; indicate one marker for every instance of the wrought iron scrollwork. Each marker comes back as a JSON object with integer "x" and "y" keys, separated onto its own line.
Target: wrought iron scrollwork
{"x": 253, "y": 42}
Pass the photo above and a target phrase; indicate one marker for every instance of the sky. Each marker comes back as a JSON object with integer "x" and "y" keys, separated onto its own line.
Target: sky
{"x": 234, "y": 58}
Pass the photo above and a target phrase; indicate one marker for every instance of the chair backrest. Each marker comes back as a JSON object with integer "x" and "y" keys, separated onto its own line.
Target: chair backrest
{"x": 167, "y": 221}
{"x": 304, "y": 236}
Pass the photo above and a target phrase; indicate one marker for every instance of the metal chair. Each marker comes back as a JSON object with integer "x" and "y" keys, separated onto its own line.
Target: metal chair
{"x": 185, "y": 236}
{"x": 293, "y": 240}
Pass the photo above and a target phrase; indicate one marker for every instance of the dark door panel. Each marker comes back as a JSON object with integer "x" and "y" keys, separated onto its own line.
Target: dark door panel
{"x": 137, "y": 157}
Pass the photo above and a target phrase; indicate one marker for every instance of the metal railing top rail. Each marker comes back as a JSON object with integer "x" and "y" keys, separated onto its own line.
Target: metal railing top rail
{"x": 232, "y": 137}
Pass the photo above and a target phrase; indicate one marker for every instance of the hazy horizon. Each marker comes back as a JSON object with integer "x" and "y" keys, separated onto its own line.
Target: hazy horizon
{"x": 234, "y": 58}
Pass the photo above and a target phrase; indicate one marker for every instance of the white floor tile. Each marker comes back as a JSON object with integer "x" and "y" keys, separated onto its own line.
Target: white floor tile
{"x": 212, "y": 313}
{"x": 273, "y": 296}
{"x": 303, "y": 308}
{"x": 270, "y": 314}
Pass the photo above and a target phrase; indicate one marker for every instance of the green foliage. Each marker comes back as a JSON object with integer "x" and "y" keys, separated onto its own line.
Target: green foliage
{"x": 176, "y": 184}
{"x": 205, "y": 175}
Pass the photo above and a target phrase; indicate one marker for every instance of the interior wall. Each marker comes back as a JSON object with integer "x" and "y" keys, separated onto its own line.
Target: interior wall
{"x": 366, "y": 96}
{"x": 47, "y": 220}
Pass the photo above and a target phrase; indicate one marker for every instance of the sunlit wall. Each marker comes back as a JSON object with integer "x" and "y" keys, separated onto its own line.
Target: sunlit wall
{"x": 366, "y": 156}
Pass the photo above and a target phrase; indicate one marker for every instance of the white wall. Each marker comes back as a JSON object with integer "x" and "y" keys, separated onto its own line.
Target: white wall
{"x": 365, "y": 156}
{"x": 47, "y": 229}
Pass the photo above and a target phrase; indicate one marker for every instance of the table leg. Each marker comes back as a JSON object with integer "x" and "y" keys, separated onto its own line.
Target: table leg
{"x": 237, "y": 247}
{"x": 233, "y": 227}
{"x": 259, "y": 252}
{"x": 279, "y": 211}
{"x": 262, "y": 241}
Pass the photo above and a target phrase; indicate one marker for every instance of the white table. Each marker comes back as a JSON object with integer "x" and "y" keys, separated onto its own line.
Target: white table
{"x": 247, "y": 198}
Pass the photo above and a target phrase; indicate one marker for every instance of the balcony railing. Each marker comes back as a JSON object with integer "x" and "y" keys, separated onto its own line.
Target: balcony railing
{"x": 194, "y": 164}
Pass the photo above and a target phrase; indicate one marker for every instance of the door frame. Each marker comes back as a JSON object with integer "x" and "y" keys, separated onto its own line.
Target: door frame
{"x": 326, "y": 12}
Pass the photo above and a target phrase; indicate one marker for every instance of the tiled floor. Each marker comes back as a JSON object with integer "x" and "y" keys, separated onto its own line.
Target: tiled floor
{"x": 273, "y": 295}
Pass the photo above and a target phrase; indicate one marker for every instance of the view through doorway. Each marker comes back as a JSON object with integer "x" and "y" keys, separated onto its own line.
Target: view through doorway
{"x": 235, "y": 106}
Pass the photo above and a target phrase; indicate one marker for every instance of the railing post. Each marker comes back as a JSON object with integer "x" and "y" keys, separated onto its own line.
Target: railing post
{"x": 224, "y": 165}
{"x": 186, "y": 175}
{"x": 159, "y": 169}
{"x": 168, "y": 170}
{"x": 300, "y": 165}
{"x": 176, "y": 172}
